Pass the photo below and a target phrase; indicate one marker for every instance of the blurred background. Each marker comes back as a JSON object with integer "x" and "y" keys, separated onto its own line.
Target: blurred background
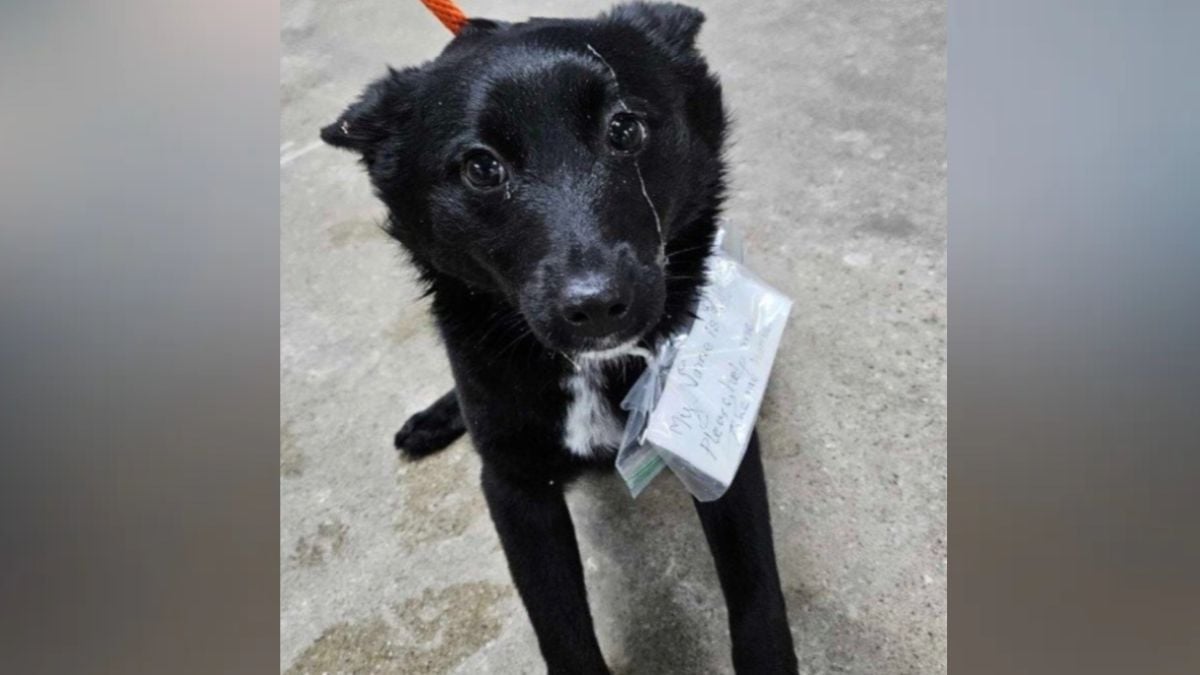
{"x": 1074, "y": 139}
{"x": 838, "y": 181}
{"x": 139, "y": 296}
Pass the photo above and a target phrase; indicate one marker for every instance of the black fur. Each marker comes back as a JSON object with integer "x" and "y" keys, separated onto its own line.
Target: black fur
{"x": 432, "y": 429}
{"x": 507, "y": 268}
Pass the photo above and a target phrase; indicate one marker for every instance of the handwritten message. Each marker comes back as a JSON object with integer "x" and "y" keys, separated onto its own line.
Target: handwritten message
{"x": 709, "y": 404}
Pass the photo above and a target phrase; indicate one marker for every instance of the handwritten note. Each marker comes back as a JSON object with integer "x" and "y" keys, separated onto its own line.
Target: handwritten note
{"x": 702, "y": 423}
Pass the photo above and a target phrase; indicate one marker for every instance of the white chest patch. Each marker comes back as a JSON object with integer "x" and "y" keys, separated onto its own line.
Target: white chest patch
{"x": 590, "y": 424}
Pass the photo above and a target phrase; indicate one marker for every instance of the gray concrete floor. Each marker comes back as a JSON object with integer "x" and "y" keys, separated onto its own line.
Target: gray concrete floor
{"x": 838, "y": 177}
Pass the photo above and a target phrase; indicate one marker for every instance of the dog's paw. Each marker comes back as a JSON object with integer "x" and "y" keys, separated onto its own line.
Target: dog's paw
{"x": 430, "y": 430}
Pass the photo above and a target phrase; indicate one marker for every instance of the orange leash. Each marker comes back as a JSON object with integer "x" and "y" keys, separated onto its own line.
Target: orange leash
{"x": 448, "y": 13}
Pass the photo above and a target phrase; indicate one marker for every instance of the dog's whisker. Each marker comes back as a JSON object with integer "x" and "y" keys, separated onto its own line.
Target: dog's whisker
{"x": 689, "y": 249}
{"x": 519, "y": 328}
{"x": 571, "y": 360}
{"x": 525, "y": 333}
{"x": 497, "y": 320}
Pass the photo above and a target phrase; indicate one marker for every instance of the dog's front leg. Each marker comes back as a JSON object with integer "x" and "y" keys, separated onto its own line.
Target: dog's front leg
{"x": 738, "y": 529}
{"x": 539, "y": 541}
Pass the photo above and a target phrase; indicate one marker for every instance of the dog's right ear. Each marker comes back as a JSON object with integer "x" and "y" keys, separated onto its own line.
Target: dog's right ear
{"x": 378, "y": 114}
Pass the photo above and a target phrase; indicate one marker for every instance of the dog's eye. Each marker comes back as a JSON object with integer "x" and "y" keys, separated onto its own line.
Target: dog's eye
{"x": 482, "y": 170}
{"x": 626, "y": 133}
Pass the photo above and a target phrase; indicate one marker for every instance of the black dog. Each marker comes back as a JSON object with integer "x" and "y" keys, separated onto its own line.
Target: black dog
{"x": 556, "y": 184}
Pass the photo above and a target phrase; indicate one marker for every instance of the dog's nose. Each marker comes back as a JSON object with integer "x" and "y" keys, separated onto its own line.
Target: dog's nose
{"x": 596, "y": 308}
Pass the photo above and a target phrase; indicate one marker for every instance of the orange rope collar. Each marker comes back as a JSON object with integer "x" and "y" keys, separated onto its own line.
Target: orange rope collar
{"x": 448, "y": 13}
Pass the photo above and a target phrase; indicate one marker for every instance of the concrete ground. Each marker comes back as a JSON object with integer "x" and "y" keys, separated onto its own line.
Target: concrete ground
{"x": 839, "y": 182}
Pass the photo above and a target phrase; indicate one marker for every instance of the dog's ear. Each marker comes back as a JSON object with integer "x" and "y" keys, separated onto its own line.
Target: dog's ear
{"x": 674, "y": 26}
{"x": 379, "y": 113}
{"x": 481, "y": 27}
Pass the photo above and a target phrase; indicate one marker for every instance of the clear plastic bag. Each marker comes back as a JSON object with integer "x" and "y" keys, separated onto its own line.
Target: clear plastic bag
{"x": 694, "y": 407}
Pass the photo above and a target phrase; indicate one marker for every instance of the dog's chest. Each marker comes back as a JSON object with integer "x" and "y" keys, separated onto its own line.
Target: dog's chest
{"x": 590, "y": 425}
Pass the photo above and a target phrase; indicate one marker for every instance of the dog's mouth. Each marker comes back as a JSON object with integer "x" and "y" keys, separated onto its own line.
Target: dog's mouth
{"x": 611, "y": 348}
{"x": 634, "y": 347}
{"x": 558, "y": 336}
{"x": 602, "y": 348}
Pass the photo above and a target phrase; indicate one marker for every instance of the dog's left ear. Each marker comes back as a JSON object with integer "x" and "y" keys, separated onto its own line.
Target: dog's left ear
{"x": 674, "y": 26}
{"x": 381, "y": 112}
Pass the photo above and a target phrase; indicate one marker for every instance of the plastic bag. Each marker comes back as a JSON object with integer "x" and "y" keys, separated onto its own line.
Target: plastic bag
{"x": 694, "y": 407}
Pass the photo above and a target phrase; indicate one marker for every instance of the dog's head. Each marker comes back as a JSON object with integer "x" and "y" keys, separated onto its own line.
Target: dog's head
{"x": 550, "y": 162}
